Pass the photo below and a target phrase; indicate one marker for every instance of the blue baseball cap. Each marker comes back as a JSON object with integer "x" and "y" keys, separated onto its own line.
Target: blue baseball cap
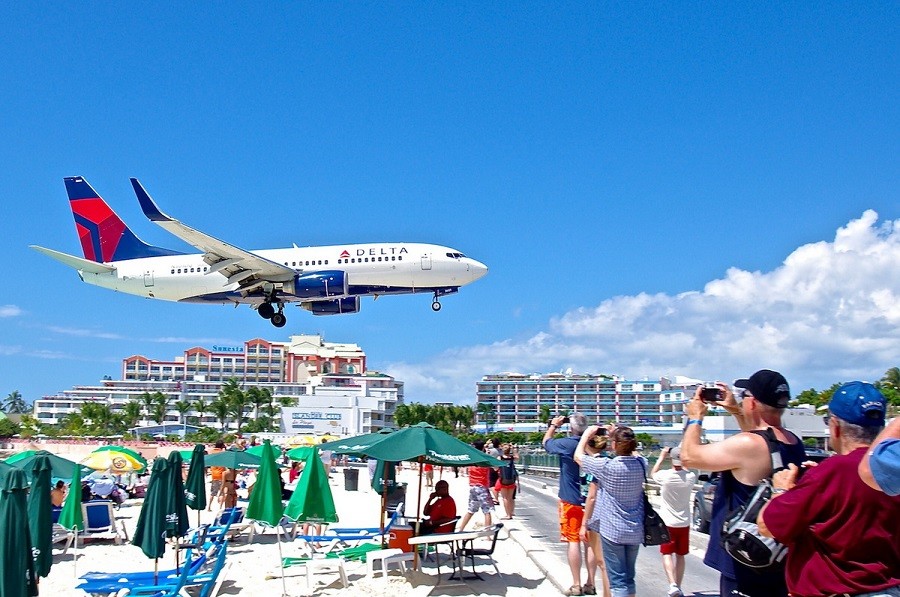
{"x": 859, "y": 403}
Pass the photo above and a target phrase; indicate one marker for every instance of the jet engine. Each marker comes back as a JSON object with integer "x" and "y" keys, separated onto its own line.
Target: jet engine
{"x": 318, "y": 284}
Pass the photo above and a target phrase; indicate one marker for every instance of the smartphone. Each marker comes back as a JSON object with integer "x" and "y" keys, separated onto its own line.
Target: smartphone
{"x": 710, "y": 392}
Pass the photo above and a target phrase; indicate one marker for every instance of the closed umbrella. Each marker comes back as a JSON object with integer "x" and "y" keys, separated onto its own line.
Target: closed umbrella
{"x": 60, "y": 467}
{"x": 176, "y": 507}
{"x": 72, "y": 518}
{"x": 40, "y": 523}
{"x": 195, "y": 486}
{"x": 150, "y": 533}
{"x": 265, "y": 499}
{"x": 16, "y": 564}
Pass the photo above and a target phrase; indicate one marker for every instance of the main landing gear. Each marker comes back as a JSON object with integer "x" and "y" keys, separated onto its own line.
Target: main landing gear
{"x": 267, "y": 311}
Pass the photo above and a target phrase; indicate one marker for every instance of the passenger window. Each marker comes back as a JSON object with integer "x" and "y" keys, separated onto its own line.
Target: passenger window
{"x": 326, "y": 262}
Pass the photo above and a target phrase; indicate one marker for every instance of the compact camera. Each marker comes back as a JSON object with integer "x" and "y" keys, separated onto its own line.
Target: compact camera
{"x": 564, "y": 421}
{"x": 710, "y": 392}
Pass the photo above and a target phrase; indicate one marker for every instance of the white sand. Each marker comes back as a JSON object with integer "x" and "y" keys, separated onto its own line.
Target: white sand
{"x": 254, "y": 567}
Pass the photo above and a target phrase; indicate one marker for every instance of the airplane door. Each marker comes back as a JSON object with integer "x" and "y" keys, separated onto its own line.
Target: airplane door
{"x": 148, "y": 279}
{"x": 426, "y": 261}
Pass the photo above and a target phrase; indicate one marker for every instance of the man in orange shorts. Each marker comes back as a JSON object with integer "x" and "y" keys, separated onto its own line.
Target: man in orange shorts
{"x": 571, "y": 500}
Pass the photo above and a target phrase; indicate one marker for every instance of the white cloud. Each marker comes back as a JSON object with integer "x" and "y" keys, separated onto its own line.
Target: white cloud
{"x": 830, "y": 312}
{"x": 83, "y": 333}
{"x": 10, "y": 311}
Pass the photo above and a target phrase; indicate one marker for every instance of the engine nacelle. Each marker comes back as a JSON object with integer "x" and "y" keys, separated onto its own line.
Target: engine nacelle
{"x": 318, "y": 284}
{"x": 340, "y": 306}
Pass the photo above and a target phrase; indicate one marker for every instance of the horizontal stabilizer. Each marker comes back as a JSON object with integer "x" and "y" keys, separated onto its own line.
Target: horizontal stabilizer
{"x": 78, "y": 263}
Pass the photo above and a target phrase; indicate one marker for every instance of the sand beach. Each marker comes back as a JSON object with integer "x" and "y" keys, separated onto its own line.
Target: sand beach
{"x": 253, "y": 567}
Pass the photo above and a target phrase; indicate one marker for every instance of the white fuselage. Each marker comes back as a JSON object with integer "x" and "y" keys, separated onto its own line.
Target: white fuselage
{"x": 382, "y": 267}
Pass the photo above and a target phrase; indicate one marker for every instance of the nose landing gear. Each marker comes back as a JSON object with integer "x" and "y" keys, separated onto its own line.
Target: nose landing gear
{"x": 436, "y": 305}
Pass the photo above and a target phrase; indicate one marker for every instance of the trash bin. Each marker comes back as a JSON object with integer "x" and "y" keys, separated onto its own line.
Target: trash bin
{"x": 351, "y": 479}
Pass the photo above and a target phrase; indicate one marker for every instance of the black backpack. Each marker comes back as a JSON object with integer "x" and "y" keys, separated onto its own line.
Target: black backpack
{"x": 740, "y": 534}
{"x": 508, "y": 473}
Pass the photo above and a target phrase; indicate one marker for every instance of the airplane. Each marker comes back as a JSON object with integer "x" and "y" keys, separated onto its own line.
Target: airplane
{"x": 326, "y": 280}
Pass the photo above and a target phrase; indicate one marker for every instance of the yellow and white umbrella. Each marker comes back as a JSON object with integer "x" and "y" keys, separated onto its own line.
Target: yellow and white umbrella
{"x": 112, "y": 460}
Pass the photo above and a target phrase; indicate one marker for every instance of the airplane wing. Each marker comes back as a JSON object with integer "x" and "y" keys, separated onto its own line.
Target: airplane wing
{"x": 236, "y": 264}
{"x": 77, "y": 263}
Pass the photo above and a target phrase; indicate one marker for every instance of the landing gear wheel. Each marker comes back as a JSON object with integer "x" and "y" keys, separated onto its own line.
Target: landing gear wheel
{"x": 436, "y": 305}
{"x": 266, "y": 311}
{"x": 278, "y": 320}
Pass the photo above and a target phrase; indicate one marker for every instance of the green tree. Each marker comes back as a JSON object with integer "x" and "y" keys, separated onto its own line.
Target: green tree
{"x": 221, "y": 410}
{"x": 182, "y": 406}
{"x": 237, "y": 401}
{"x": 147, "y": 400}
{"x": 486, "y": 414}
{"x": 8, "y": 428}
{"x": 201, "y": 407}
{"x": 14, "y": 403}
{"x": 131, "y": 413}
{"x": 258, "y": 397}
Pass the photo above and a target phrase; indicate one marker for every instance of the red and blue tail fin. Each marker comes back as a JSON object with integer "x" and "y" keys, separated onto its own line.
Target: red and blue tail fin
{"x": 104, "y": 236}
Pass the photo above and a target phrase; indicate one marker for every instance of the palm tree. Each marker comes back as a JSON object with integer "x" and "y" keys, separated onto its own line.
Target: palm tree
{"x": 147, "y": 400}
{"x": 14, "y": 403}
{"x": 258, "y": 397}
{"x": 182, "y": 406}
{"x": 201, "y": 407}
{"x": 486, "y": 414}
{"x": 891, "y": 378}
{"x": 131, "y": 413}
{"x": 236, "y": 399}
{"x": 221, "y": 410}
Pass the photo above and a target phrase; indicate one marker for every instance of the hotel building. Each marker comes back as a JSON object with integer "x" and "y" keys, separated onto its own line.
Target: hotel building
{"x": 321, "y": 376}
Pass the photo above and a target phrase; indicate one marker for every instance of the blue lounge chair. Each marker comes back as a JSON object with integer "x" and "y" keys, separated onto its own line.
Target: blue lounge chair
{"x": 100, "y": 519}
{"x": 169, "y": 582}
{"x": 394, "y": 519}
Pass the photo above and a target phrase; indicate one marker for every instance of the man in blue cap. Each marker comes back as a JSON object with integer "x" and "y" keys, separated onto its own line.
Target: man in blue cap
{"x": 841, "y": 534}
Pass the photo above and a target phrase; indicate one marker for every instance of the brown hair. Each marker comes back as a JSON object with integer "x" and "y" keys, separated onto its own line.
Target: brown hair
{"x": 598, "y": 442}
{"x": 626, "y": 443}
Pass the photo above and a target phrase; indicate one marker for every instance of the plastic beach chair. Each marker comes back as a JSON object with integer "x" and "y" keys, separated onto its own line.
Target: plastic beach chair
{"x": 394, "y": 519}
{"x": 100, "y": 519}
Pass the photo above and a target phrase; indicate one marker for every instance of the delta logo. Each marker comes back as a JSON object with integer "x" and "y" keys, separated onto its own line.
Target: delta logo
{"x": 373, "y": 252}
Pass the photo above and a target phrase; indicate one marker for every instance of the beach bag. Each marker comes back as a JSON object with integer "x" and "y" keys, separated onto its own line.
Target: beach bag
{"x": 508, "y": 473}
{"x": 655, "y": 530}
{"x": 740, "y": 534}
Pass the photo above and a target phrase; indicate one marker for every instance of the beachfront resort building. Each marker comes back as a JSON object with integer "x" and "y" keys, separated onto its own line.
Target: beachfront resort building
{"x": 333, "y": 390}
{"x": 515, "y": 401}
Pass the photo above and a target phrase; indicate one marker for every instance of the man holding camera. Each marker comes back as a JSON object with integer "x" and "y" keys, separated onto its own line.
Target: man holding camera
{"x": 841, "y": 534}
{"x": 744, "y": 461}
{"x": 571, "y": 501}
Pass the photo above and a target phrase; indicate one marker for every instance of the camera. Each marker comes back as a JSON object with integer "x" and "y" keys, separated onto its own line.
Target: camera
{"x": 565, "y": 420}
{"x": 710, "y": 392}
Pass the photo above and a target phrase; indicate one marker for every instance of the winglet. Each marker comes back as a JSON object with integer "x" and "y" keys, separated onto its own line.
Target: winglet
{"x": 149, "y": 206}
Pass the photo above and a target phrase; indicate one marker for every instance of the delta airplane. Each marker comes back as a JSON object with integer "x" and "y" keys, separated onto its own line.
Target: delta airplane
{"x": 323, "y": 280}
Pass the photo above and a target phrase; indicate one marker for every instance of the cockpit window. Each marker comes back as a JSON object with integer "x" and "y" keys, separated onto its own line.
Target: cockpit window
{"x": 455, "y": 255}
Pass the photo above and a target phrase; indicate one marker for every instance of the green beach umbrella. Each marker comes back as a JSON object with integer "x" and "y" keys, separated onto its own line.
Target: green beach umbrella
{"x": 17, "y": 577}
{"x": 39, "y": 522}
{"x": 236, "y": 459}
{"x": 72, "y": 518}
{"x": 195, "y": 486}
{"x": 60, "y": 467}
{"x": 354, "y": 446}
{"x": 176, "y": 508}
{"x": 150, "y": 533}
{"x": 312, "y": 500}
{"x": 265, "y": 499}
{"x": 424, "y": 443}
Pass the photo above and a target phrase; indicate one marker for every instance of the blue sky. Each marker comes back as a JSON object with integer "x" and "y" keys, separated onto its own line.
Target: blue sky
{"x": 685, "y": 188}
